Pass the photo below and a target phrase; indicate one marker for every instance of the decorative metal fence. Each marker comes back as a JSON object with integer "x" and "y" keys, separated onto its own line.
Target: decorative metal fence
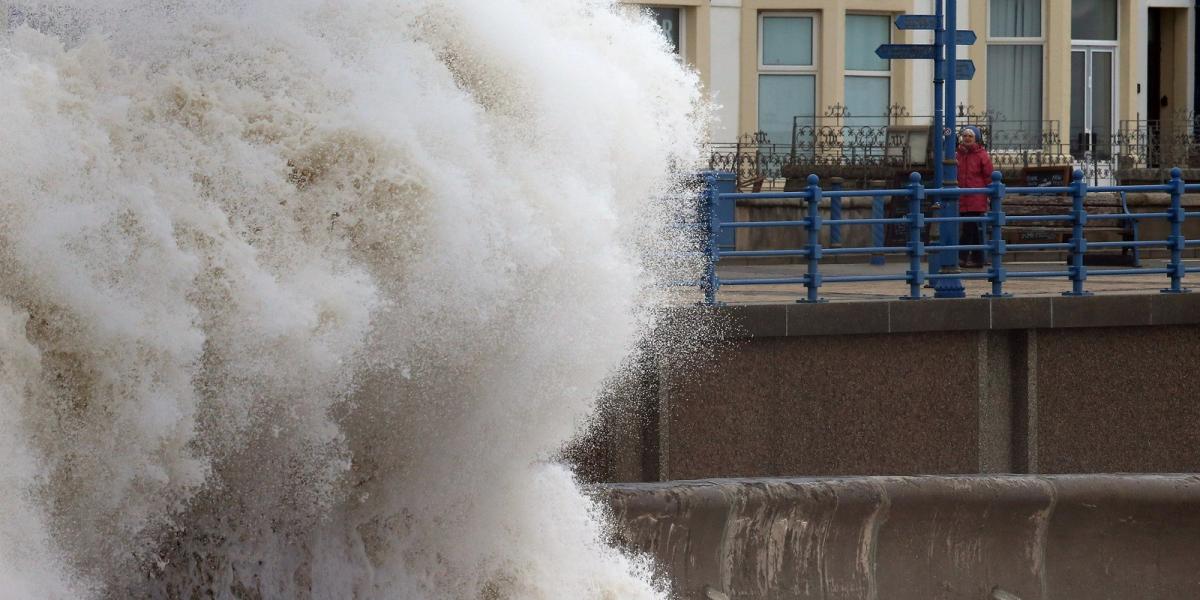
{"x": 891, "y": 135}
{"x": 838, "y": 144}
{"x": 754, "y": 159}
{"x": 1157, "y": 144}
{"x": 993, "y": 245}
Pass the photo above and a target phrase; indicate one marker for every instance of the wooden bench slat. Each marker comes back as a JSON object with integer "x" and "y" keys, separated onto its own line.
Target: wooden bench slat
{"x": 1062, "y": 229}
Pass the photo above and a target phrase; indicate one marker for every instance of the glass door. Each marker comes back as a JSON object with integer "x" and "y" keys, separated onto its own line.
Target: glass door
{"x": 1093, "y": 101}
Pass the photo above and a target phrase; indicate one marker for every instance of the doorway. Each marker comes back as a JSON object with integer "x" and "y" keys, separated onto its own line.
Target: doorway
{"x": 1168, "y": 128}
{"x": 1154, "y": 55}
{"x": 1093, "y": 101}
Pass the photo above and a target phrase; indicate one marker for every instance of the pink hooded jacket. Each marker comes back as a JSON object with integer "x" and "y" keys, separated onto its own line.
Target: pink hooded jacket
{"x": 974, "y": 171}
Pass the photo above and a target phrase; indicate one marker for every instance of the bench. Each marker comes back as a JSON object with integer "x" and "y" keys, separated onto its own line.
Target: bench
{"x": 1061, "y": 231}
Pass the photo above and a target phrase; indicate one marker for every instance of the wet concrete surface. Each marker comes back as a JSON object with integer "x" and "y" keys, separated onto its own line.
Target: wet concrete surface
{"x": 890, "y": 290}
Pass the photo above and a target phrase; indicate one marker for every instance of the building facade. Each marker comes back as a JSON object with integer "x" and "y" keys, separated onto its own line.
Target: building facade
{"x": 1081, "y": 69}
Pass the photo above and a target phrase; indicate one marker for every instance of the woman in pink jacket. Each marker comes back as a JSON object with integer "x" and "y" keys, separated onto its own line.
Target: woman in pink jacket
{"x": 974, "y": 171}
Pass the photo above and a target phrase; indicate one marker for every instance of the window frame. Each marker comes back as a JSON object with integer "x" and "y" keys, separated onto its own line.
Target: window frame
{"x": 790, "y": 69}
{"x": 1018, "y": 41}
{"x": 812, "y": 70}
{"x": 1040, "y": 40}
{"x": 860, "y": 73}
{"x": 847, "y": 72}
{"x": 1094, "y": 42}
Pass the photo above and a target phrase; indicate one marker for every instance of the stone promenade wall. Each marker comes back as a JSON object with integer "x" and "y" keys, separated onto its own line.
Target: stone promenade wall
{"x": 1098, "y": 384}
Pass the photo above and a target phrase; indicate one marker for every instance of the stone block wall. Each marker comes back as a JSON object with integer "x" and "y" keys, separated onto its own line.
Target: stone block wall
{"x": 1016, "y": 385}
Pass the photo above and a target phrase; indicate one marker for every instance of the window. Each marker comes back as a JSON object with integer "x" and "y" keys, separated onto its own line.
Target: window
{"x": 1015, "y": 19}
{"x": 1094, "y": 20}
{"x": 1014, "y": 70}
{"x": 670, "y": 20}
{"x": 868, "y": 77}
{"x": 787, "y": 79}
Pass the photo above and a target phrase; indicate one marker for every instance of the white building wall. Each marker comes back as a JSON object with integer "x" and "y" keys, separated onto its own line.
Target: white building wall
{"x": 725, "y": 78}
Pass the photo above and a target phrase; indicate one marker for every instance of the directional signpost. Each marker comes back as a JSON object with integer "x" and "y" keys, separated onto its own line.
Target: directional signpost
{"x": 964, "y": 69}
{"x": 964, "y": 37}
{"x": 922, "y": 22}
{"x": 907, "y": 51}
{"x": 943, "y": 53}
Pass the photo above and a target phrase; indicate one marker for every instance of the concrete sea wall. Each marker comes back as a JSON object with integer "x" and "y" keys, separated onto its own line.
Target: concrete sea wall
{"x": 1096, "y": 384}
{"x": 929, "y": 450}
{"x": 1094, "y": 537}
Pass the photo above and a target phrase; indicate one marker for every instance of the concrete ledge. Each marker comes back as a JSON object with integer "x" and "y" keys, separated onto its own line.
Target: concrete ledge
{"x": 901, "y": 538}
{"x": 967, "y": 314}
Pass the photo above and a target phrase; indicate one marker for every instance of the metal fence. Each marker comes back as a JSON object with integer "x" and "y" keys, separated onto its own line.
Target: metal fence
{"x": 886, "y": 135}
{"x": 993, "y": 224}
{"x": 838, "y": 144}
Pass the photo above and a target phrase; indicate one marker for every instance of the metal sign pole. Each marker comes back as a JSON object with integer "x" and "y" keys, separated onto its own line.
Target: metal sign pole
{"x": 948, "y": 261}
{"x": 947, "y": 70}
{"x": 939, "y": 84}
{"x": 936, "y": 137}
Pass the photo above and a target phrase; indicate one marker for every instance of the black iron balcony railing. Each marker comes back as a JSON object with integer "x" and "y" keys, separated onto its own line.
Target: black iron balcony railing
{"x": 838, "y": 144}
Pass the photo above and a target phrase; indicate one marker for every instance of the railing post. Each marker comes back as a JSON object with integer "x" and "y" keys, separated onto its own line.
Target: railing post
{"x": 712, "y": 199}
{"x": 997, "y": 274}
{"x": 1078, "y": 242}
{"x": 1177, "y": 242}
{"x": 813, "y": 226}
{"x": 726, "y": 211}
{"x": 916, "y": 222}
{"x": 877, "y": 231}
{"x": 835, "y": 213}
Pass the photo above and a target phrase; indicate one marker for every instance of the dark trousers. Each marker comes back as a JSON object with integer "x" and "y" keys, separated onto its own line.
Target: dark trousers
{"x": 972, "y": 235}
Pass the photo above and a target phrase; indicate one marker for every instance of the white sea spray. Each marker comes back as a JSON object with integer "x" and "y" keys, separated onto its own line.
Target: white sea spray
{"x": 299, "y": 299}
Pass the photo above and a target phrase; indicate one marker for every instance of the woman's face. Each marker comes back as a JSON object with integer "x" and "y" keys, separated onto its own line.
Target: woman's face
{"x": 968, "y": 136}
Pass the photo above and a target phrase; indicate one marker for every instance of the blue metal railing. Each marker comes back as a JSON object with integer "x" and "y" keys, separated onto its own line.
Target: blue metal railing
{"x": 993, "y": 222}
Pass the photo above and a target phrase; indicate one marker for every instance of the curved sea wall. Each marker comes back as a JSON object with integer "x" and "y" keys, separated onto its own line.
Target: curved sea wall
{"x": 920, "y": 538}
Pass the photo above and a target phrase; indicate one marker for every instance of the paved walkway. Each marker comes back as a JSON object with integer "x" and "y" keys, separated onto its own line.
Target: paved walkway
{"x": 890, "y": 290}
